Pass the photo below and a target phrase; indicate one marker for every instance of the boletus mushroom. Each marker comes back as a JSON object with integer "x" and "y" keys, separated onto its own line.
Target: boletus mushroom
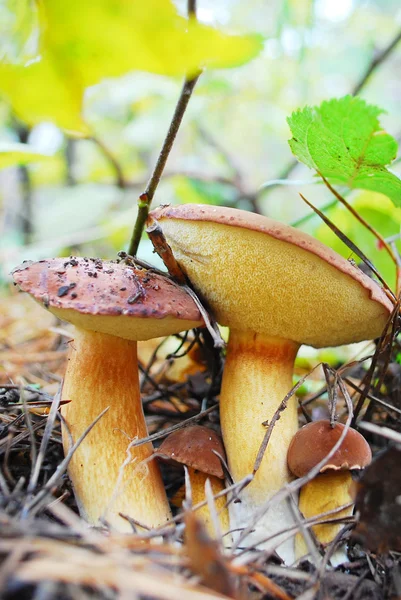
{"x": 199, "y": 448}
{"x": 112, "y": 307}
{"x": 276, "y": 288}
{"x": 332, "y": 488}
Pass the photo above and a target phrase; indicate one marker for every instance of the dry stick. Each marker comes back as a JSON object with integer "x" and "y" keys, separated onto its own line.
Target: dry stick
{"x": 43, "y": 446}
{"x": 162, "y": 248}
{"x": 378, "y": 60}
{"x": 372, "y": 397}
{"x": 389, "y": 293}
{"x": 379, "y": 349}
{"x": 145, "y": 199}
{"x": 120, "y": 181}
{"x": 165, "y": 432}
{"x": 62, "y": 467}
{"x": 282, "y": 406}
{"x": 377, "y": 235}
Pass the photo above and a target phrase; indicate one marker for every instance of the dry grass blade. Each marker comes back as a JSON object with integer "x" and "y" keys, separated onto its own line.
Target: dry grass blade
{"x": 352, "y": 247}
{"x": 62, "y": 467}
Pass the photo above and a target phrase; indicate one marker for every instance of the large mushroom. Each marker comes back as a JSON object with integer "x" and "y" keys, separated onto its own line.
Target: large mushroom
{"x": 112, "y": 307}
{"x": 275, "y": 288}
{"x": 330, "y": 490}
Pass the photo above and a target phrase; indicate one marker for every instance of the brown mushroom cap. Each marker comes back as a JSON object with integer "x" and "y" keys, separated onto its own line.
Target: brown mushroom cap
{"x": 315, "y": 440}
{"x": 261, "y": 275}
{"x": 107, "y": 297}
{"x": 193, "y": 446}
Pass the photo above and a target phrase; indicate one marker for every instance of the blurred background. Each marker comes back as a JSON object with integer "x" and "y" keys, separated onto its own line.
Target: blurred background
{"x": 232, "y": 147}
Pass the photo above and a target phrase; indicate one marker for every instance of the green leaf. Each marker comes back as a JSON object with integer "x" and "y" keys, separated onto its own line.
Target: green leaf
{"x": 18, "y": 154}
{"x": 343, "y": 141}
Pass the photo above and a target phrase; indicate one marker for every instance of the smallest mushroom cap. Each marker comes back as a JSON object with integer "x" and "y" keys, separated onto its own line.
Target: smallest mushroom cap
{"x": 193, "y": 446}
{"x": 315, "y": 440}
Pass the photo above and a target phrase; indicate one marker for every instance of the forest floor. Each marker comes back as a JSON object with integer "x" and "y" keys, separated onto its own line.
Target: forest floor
{"x": 48, "y": 552}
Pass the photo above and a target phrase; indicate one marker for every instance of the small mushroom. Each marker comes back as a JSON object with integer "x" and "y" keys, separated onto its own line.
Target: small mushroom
{"x": 112, "y": 307}
{"x": 199, "y": 449}
{"x": 276, "y": 288}
{"x": 332, "y": 488}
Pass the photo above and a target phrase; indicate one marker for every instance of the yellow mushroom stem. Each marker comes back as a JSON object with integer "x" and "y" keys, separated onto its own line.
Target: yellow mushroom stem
{"x": 257, "y": 376}
{"x": 198, "y": 480}
{"x": 327, "y": 492}
{"x": 108, "y": 478}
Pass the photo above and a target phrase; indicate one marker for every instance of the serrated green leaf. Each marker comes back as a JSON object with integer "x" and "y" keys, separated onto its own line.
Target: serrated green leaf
{"x": 343, "y": 141}
{"x": 18, "y": 154}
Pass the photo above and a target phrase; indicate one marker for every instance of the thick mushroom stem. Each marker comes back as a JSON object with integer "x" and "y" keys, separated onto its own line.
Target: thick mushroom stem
{"x": 197, "y": 481}
{"x": 328, "y": 491}
{"x": 257, "y": 377}
{"x": 108, "y": 478}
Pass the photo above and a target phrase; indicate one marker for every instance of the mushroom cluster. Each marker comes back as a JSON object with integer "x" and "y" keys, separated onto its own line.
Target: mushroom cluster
{"x": 276, "y": 288}
{"x": 273, "y": 286}
{"x": 112, "y": 307}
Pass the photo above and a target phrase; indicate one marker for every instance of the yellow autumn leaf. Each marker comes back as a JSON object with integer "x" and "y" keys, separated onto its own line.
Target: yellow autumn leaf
{"x": 38, "y": 92}
{"x": 108, "y": 38}
{"x": 84, "y": 42}
{"x": 18, "y": 154}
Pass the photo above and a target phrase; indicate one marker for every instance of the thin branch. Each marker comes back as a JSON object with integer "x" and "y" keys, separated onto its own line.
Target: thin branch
{"x": 375, "y": 62}
{"x": 120, "y": 181}
{"x": 145, "y": 199}
{"x": 363, "y": 221}
{"x": 389, "y": 293}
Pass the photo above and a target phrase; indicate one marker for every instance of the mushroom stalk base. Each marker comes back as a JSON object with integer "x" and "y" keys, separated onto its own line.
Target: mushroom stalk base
{"x": 257, "y": 377}
{"x": 328, "y": 491}
{"x": 198, "y": 480}
{"x": 109, "y": 478}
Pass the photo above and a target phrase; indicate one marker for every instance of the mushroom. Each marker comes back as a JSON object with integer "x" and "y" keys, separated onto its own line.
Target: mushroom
{"x": 200, "y": 449}
{"x": 276, "y": 288}
{"x": 112, "y": 306}
{"x": 332, "y": 488}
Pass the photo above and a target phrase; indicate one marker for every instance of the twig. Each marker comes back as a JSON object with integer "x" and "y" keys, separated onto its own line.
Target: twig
{"x": 165, "y": 432}
{"x": 145, "y": 199}
{"x": 363, "y": 221}
{"x": 389, "y": 293}
{"x": 375, "y": 62}
{"x": 43, "y": 446}
{"x": 294, "y": 486}
{"x": 282, "y": 406}
{"x": 62, "y": 467}
{"x": 162, "y": 248}
{"x": 120, "y": 181}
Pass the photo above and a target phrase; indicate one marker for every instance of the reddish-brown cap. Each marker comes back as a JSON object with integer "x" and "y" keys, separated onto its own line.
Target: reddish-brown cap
{"x": 261, "y": 275}
{"x": 193, "y": 446}
{"x": 315, "y": 440}
{"x": 108, "y": 297}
